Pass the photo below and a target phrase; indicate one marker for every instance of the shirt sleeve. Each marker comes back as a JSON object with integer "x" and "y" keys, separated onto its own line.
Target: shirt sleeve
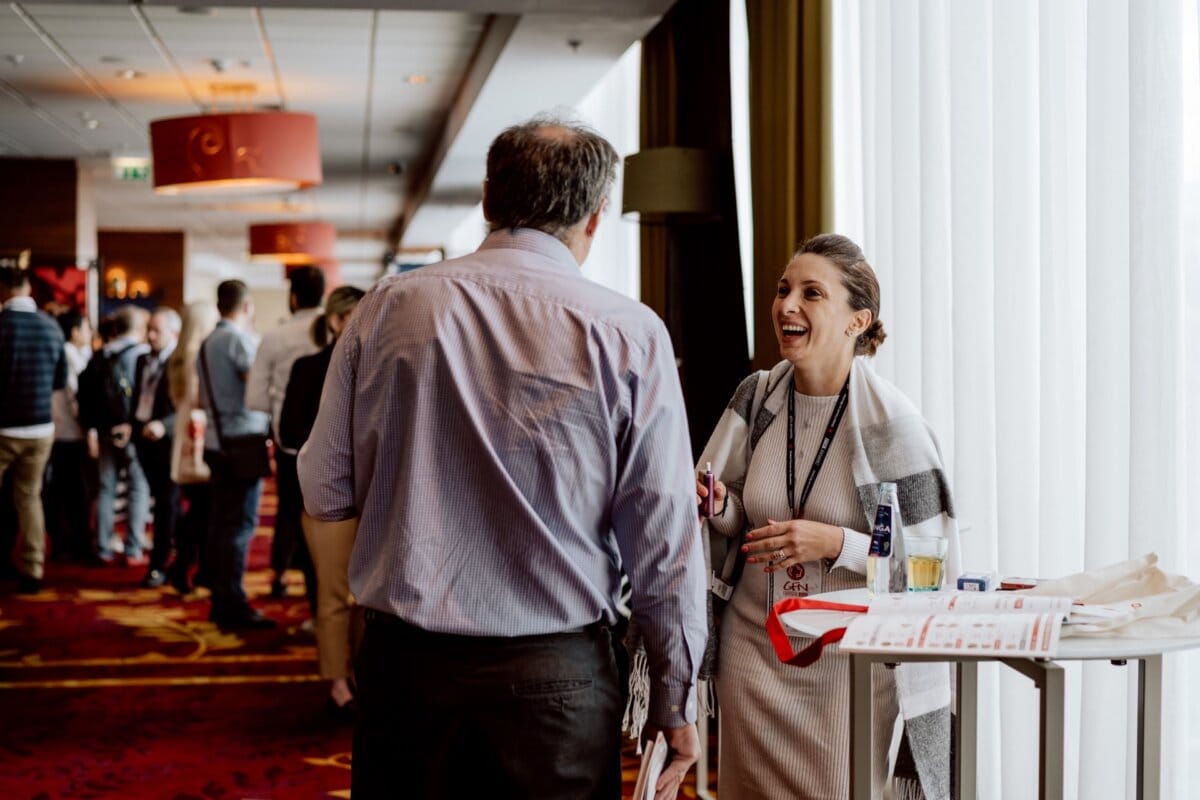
{"x": 658, "y": 534}
{"x": 258, "y": 384}
{"x": 854, "y": 551}
{"x": 326, "y": 462}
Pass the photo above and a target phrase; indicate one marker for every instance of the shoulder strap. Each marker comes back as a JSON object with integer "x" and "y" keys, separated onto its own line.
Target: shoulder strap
{"x": 725, "y": 582}
{"x": 212, "y": 396}
{"x": 761, "y": 390}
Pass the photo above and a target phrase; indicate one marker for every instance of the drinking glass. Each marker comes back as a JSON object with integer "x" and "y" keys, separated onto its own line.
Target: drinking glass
{"x": 926, "y": 560}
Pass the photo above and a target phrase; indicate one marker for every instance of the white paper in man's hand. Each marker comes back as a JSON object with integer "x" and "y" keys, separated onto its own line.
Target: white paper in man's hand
{"x": 653, "y": 761}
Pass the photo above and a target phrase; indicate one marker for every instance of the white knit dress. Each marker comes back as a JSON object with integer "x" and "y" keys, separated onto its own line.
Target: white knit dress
{"x": 785, "y": 731}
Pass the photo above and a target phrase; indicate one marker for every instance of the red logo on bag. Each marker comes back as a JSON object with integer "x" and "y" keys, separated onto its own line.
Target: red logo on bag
{"x": 796, "y": 572}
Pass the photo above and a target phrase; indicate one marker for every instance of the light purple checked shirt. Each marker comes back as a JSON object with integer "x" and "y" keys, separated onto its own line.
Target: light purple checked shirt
{"x": 512, "y": 435}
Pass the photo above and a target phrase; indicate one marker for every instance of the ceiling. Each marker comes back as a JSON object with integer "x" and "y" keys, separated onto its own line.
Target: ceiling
{"x": 407, "y": 99}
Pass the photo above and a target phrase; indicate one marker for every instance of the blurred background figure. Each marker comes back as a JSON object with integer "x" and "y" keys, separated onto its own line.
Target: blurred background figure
{"x": 32, "y": 365}
{"x": 336, "y": 623}
{"x": 154, "y": 429}
{"x": 188, "y": 468}
{"x": 69, "y": 492}
{"x": 106, "y": 390}
{"x": 264, "y": 392}
{"x": 224, "y": 361}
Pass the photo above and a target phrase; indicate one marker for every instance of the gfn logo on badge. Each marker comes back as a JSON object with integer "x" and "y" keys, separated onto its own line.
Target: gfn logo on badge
{"x": 796, "y": 583}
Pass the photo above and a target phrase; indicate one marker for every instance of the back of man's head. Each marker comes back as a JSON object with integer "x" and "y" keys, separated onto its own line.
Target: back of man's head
{"x": 231, "y": 296}
{"x": 547, "y": 174}
{"x": 308, "y": 286}
{"x": 124, "y": 321}
{"x": 14, "y": 280}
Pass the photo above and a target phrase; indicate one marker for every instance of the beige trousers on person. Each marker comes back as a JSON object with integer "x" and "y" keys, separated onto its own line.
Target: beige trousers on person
{"x": 27, "y": 459}
{"x": 339, "y": 625}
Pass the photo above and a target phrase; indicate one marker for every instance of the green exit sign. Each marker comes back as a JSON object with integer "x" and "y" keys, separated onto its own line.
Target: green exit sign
{"x": 134, "y": 173}
{"x": 131, "y": 169}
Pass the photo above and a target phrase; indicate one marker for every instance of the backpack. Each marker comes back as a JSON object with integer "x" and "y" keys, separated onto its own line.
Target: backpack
{"x": 106, "y": 391}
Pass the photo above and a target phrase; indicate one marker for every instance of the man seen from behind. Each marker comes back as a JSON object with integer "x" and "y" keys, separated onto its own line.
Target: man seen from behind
{"x": 32, "y": 366}
{"x": 508, "y": 436}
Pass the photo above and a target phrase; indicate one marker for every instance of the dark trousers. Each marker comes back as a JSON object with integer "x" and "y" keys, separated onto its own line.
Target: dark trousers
{"x": 232, "y": 519}
{"x": 289, "y": 547}
{"x": 288, "y": 535}
{"x": 67, "y": 496}
{"x": 191, "y": 533}
{"x": 465, "y": 717}
{"x": 155, "y": 458}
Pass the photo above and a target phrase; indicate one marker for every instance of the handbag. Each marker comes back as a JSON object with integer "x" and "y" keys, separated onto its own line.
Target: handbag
{"x": 245, "y": 457}
{"x": 187, "y": 446}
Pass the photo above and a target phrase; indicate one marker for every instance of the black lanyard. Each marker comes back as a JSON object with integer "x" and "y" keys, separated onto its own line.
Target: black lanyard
{"x": 835, "y": 419}
{"x": 839, "y": 409}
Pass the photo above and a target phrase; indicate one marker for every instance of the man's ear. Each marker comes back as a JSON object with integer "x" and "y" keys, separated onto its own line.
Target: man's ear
{"x": 594, "y": 219}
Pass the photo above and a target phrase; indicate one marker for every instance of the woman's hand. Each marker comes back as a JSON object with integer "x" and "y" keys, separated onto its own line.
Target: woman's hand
{"x": 779, "y": 545}
{"x": 718, "y": 495}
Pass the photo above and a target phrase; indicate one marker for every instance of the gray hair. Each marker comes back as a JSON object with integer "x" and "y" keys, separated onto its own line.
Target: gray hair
{"x": 547, "y": 174}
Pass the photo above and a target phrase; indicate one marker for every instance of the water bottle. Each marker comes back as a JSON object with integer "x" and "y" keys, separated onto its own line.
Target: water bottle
{"x": 885, "y": 534}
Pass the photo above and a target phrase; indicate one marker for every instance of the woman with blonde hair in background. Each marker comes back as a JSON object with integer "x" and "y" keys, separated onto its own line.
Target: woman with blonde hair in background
{"x": 331, "y": 554}
{"x": 187, "y": 447}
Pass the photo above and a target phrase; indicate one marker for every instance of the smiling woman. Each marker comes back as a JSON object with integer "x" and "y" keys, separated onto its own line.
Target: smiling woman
{"x": 826, "y": 312}
{"x": 839, "y": 430}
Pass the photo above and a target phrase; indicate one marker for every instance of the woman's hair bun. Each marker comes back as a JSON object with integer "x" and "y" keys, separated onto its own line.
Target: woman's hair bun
{"x": 870, "y": 339}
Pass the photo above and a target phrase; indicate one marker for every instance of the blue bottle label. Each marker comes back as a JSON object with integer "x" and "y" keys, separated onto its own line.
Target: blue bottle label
{"x": 881, "y": 535}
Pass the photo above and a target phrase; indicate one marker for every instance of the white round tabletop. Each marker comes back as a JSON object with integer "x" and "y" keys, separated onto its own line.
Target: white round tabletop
{"x": 1070, "y": 648}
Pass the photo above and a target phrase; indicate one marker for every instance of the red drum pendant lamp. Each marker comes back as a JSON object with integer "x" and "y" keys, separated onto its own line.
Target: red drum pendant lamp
{"x": 241, "y": 152}
{"x": 292, "y": 243}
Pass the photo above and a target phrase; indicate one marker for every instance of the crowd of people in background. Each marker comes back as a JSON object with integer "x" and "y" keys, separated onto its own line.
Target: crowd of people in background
{"x": 134, "y": 404}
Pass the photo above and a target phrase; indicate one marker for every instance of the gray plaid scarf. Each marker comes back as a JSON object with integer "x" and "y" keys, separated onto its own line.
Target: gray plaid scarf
{"x": 891, "y": 442}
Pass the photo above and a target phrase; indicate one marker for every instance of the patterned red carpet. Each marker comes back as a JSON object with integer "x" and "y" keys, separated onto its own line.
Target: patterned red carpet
{"x": 112, "y": 691}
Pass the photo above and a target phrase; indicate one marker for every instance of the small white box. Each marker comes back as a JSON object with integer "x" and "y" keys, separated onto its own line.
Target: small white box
{"x": 977, "y": 581}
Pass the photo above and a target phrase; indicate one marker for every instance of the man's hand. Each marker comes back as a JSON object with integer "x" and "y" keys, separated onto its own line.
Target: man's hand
{"x": 154, "y": 430}
{"x": 684, "y": 744}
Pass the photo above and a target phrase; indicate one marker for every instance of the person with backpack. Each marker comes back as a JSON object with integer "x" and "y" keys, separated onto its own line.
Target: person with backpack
{"x": 106, "y": 390}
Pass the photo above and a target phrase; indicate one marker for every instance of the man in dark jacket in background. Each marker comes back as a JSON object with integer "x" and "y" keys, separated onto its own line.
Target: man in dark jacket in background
{"x": 32, "y": 366}
{"x": 153, "y": 430}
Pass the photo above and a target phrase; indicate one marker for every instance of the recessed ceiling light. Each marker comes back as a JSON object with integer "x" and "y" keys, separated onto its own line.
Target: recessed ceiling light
{"x": 199, "y": 11}
{"x": 15, "y": 59}
{"x": 112, "y": 59}
{"x": 91, "y": 124}
{"x": 130, "y": 74}
{"x": 417, "y": 80}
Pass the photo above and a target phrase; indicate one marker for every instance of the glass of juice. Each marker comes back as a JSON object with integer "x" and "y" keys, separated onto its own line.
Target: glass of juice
{"x": 926, "y": 559}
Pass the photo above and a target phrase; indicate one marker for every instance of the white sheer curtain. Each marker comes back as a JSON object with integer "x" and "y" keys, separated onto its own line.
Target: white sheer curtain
{"x": 1016, "y": 172}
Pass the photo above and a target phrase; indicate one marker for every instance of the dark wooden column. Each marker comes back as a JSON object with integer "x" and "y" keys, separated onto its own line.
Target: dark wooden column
{"x": 691, "y": 272}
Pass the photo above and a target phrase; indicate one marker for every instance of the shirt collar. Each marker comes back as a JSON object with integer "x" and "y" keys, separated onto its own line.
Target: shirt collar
{"x": 120, "y": 343}
{"x": 24, "y": 303}
{"x": 533, "y": 241}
